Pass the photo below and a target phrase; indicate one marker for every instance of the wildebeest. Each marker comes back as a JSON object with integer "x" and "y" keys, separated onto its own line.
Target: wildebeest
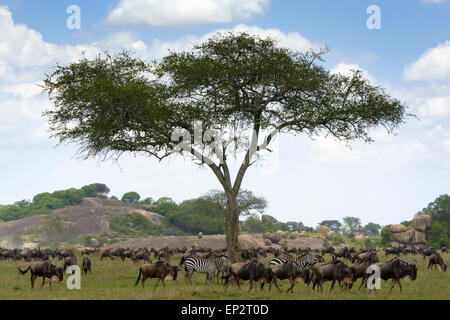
{"x": 391, "y": 250}
{"x": 69, "y": 261}
{"x": 329, "y": 250}
{"x": 160, "y": 270}
{"x": 370, "y": 257}
{"x": 342, "y": 253}
{"x": 289, "y": 270}
{"x": 252, "y": 270}
{"x": 86, "y": 266}
{"x": 436, "y": 259}
{"x": 333, "y": 271}
{"x": 395, "y": 269}
{"x": 43, "y": 269}
{"x": 428, "y": 252}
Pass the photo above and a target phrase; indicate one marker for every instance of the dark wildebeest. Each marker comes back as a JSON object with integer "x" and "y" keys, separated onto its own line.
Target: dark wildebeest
{"x": 370, "y": 257}
{"x": 160, "y": 270}
{"x": 45, "y": 270}
{"x": 436, "y": 259}
{"x": 428, "y": 252}
{"x": 333, "y": 271}
{"x": 252, "y": 270}
{"x": 86, "y": 266}
{"x": 395, "y": 270}
{"x": 289, "y": 270}
{"x": 342, "y": 253}
{"x": 69, "y": 261}
{"x": 391, "y": 250}
{"x": 329, "y": 250}
{"x": 444, "y": 249}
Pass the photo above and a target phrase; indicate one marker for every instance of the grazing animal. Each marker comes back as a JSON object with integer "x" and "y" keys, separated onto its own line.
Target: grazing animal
{"x": 289, "y": 270}
{"x": 333, "y": 271}
{"x": 69, "y": 261}
{"x": 343, "y": 253}
{"x": 204, "y": 265}
{"x": 395, "y": 269}
{"x": 329, "y": 250}
{"x": 43, "y": 269}
{"x": 391, "y": 250}
{"x": 252, "y": 270}
{"x": 370, "y": 257}
{"x": 305, "y": 261}
{"x": 160, "y": 270}
{"x": 86, "y": 266}
{"x": 436, "y": 259}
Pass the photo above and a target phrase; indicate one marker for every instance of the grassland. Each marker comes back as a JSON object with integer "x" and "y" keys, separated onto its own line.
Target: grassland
{"x": 114, "y": 280}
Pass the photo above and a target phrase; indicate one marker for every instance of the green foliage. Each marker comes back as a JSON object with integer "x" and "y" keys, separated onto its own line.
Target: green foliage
{"x": 148, "y": 200}
{"x": 352, "y": 223}
{"x": 253, "y": 225}
{"x": 439, "y": 234}
{"x": 439, "y": 209}
{"x": 13, "y": 212}
{"x": 135, "y": 225}
{"x": 248, "y": 203}
{"x": 164, "y": 205}
{"x": 385, "y": 236}
{"x": 373, "y": 228}
{"x": 406, "y": 223}
{"x": 131, "y": 197}
{"x": 193, "y": 216}
{"x": 334, "y": 225}
{"x": 337, "y": 239}
{"x": 292, "y": 226}
{"x": 94, "y": 189}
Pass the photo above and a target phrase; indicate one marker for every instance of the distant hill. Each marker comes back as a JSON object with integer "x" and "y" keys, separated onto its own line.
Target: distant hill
{"x": 91, "y": 216}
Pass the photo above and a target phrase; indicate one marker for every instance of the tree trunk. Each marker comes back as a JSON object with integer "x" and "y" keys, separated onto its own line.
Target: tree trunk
{"x": 232, "y": 228}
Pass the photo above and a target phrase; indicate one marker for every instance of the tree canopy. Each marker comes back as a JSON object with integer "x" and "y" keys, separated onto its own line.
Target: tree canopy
{"x": 228, "y": 96}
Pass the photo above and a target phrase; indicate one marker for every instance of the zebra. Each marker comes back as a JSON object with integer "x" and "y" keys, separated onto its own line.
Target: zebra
{"x": 205, "y": 265}
{"x": 305, "y": 261}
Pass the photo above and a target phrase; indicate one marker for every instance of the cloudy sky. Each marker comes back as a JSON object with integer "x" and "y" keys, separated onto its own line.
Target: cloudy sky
{"x": 306, "y": 180}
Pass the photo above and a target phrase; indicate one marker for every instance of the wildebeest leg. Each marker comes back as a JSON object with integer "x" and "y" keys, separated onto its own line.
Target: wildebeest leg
{"x": 392, "y": 284}
{"x": 251, "y": 285}
{"x": 43, "y": 281}
{"x": 157, "y": 282}
{"x": 332, "y": 286}
{"x": 33, "y": 277}
{"x": 429, "y": 265}
{"x": 292, "y": 280}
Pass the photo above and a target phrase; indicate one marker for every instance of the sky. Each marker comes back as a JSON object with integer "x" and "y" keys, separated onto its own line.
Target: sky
{"x": 306, "y": 180}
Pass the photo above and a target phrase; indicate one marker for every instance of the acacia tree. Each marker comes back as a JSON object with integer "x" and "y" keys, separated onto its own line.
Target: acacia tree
{"x": 234, "y": 83}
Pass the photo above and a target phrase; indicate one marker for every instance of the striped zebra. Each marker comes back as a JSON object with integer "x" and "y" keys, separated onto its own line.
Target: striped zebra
{"x": 205, "y": 265}
{"x": 305, "y": 261}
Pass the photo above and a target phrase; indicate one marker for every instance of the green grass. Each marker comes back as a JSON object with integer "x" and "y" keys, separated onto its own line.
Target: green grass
{"x": 114, "y": 280}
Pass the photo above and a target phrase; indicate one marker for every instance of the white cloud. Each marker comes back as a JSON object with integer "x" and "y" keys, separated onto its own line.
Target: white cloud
{"x": 347, "y": 70}
{"x": 184, "y": 12}
{"x": 433, "y": 1}
{"x": 433, "y": 65}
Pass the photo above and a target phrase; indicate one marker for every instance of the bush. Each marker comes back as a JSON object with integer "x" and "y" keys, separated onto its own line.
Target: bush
{"x": 338, "y": 239}
{"x": 253, "y": 225}
{"x": 134, "y": 224}
{"x": 385, "y": 235}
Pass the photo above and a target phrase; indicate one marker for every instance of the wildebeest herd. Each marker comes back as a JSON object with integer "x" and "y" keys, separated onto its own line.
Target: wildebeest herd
{"x": 344, "y": 266}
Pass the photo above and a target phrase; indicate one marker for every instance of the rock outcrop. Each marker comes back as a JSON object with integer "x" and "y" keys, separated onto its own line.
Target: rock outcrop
{"x": 417, "y": 234}
{"x": 323, "y": 229}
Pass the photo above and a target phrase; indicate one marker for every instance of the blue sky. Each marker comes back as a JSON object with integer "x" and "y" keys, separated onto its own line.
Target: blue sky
{"x": 384, "y": 182}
